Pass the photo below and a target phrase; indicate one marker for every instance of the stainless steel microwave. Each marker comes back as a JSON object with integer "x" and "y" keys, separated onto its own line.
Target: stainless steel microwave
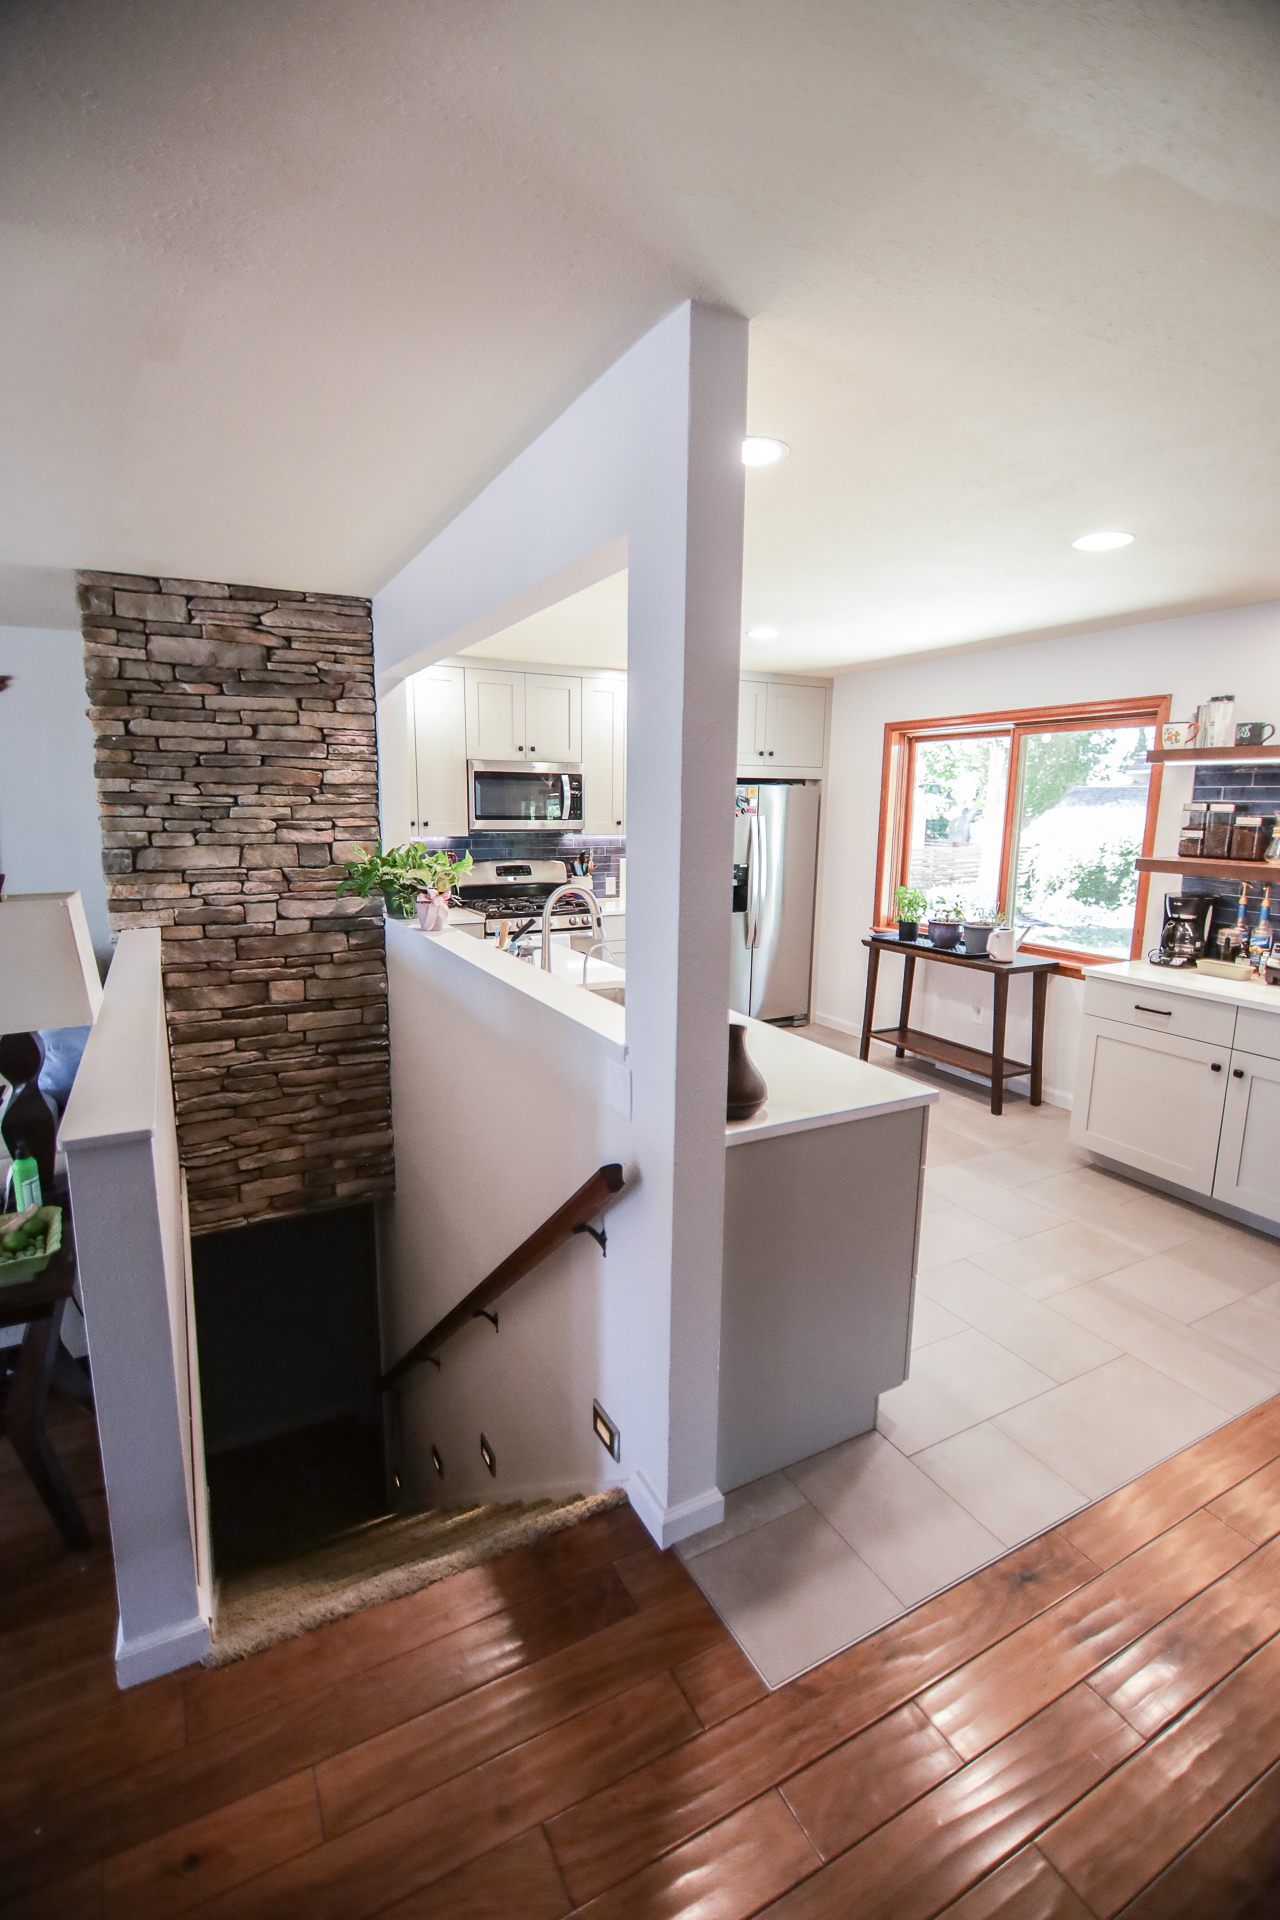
{"x": 539, "y": 796}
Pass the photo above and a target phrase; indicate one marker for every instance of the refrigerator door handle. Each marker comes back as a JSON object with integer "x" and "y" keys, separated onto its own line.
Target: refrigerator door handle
{"x": 760, "y": 879}
{"x": 753, "y": 880}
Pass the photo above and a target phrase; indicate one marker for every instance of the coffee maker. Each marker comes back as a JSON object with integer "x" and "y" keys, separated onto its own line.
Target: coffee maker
{"x": 1185, "y": 933}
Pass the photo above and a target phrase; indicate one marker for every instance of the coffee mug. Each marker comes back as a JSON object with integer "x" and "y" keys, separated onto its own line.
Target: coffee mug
{"x": 1178, "y": 733}
{"x": 1253, "y": 733}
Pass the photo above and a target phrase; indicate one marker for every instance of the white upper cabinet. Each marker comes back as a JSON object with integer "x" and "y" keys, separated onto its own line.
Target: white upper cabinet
{"x": 552, "y": 716}
{"x": 604, "y": 753}
{"x": 781, "y": 727}
{"x": 753, "y": 700}
{"x": 523, "y": 716}
{"x": 495, "y": 713}
{"x": 397, "y": 773}
{"x": 795, "y": 726}
{"x": 440, "y": 755}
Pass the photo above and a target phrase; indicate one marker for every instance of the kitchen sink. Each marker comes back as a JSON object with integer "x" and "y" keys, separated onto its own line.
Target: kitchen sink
{"x": 617, "y": 994}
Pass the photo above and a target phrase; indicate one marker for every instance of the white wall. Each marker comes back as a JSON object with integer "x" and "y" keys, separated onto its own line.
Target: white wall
{"x": 1237, "y": 651}
{"x": 474, "y": 1032}
{"x": 49, "y": 837}
{"x": 649, "y": 456}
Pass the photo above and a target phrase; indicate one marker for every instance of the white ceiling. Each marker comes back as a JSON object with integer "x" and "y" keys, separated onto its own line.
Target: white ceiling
{"x": 284, "y": 285}
{"x": 588, "y": 629}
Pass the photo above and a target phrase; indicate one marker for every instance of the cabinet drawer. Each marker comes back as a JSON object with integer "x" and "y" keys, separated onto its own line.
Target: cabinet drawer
{"x": 1159, "y": 1012}
{"x": 1258, "y": 1031}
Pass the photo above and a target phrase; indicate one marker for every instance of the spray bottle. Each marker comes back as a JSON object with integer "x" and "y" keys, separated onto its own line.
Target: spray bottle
{"x": 24, "y": 1179}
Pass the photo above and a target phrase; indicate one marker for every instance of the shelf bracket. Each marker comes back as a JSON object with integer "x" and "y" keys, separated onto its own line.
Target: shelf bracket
{"x": 598, "y": 1234}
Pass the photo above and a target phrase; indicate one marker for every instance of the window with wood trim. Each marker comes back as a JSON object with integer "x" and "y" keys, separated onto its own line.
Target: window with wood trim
{"x": 1036, "y": 815}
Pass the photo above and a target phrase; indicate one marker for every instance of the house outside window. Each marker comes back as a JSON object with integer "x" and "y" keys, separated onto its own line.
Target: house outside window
{"x": 1037, "y": 814}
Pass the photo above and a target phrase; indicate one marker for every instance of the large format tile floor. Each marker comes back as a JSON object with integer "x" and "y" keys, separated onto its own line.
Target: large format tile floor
{"x": 1072, "y": 1329}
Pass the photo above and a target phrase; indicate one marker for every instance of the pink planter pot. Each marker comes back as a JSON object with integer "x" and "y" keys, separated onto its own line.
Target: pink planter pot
{"x": 433, "y": 912}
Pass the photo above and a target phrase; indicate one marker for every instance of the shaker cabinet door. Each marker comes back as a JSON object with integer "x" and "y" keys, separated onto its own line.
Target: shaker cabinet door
{"x": 604, "y": 753}
{"x": 397, "y": 770}
{"x": 552, "y": 716}
{"x": 1248, "y": 1173}
{"x": 441, "y": 751}
{"x": 753, "y": 705}
{"x": 495, "y": 713}
{"x": 1151, "y": 1100}
{"x": 795, "y": 727}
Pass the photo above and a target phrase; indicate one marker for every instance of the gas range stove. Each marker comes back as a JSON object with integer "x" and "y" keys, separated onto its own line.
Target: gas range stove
{"x": 517, "y": 891}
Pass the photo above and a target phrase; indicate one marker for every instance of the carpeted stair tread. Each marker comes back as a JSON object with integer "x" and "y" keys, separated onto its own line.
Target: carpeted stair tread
{"x": 381, "y": 1560}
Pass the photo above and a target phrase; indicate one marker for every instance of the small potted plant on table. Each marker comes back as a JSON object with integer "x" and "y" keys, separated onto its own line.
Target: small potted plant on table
{"x": 910, "y": 905}
{"x": 979, "y": 925}
{"x": 946, "y": 921}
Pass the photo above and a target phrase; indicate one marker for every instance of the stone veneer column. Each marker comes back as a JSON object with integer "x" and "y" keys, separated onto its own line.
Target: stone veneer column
{"x": 236, "y": 766}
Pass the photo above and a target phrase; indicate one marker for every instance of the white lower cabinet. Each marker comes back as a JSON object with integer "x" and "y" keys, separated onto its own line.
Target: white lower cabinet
{"x": 1248, "y": 1173}
{"x": 1152, "y": 1100}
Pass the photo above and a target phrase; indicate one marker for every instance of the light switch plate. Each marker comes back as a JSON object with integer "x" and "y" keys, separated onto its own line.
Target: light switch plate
{"x": 617, "y": 1087}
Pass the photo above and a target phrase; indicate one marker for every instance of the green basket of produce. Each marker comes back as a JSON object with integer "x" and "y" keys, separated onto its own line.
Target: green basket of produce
{"x": 28, "y": 1242}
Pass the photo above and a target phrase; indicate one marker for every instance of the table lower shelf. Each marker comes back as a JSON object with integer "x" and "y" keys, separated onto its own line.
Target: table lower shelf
{"x": 949, "y": 1052}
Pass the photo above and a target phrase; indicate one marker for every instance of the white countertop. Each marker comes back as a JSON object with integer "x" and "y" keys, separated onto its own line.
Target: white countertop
{"x": 809, "y": 1085}
{"x": 554, "y": 989}
{"x": 1189, "y": 981}
{"x": 815, "y": 1086}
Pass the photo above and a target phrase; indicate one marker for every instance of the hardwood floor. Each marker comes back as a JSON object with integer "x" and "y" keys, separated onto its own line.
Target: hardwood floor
{"x": 1089, "y": 1727}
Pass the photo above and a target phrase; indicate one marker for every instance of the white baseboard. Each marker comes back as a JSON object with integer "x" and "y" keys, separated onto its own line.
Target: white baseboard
{"x": 841, "y": 1026}
{"x": 669, "y": 1524}
{"x": 150, "y": 1654}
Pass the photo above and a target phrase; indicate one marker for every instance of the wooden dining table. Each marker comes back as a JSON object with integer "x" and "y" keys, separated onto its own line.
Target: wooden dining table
{"x": 38, "y": 1305}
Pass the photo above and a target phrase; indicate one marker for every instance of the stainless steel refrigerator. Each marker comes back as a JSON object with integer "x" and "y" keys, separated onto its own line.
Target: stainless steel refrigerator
{"x": 775, "y": 870}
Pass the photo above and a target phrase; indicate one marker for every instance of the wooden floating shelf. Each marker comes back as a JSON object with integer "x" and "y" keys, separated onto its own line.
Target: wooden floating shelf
{"x": 1260, "y": 873}
{"x": 1214, "y": 756}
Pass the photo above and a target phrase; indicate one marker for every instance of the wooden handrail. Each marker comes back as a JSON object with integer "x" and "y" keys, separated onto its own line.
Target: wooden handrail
{"x": 591, "y": 1199}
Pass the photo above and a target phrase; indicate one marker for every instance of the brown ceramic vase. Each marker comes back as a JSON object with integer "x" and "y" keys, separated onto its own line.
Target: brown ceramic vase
{"x": 747, "y": 1089}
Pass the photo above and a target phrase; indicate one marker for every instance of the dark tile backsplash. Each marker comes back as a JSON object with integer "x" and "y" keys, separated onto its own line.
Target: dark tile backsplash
{"x": 605, "y": 850}
{"x": 1255, "y": 789}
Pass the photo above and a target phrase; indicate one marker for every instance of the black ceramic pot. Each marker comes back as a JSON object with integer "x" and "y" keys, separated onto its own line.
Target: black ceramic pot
{"x": 747, "y": 1091}
{"x": 908, "y": 929}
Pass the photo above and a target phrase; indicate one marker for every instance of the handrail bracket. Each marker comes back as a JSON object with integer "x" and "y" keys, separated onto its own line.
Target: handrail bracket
{"x": 598, "y": 1234}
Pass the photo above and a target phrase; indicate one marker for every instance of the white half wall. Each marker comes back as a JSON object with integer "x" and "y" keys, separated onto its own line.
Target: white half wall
{"x": 132, "y": 1254}
{"x": 1236, "y": 651}
{"x": 649, "y": 455}
{"x": 49, "y": 836}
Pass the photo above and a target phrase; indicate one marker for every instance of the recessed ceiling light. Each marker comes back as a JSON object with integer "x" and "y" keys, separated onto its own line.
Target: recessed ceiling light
{"x": 1102, "y": 542}
{"x": 760, "y": 452}
{"x": 762, "y": 633}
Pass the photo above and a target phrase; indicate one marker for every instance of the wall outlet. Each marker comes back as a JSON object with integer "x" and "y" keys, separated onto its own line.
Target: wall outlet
{"x": 610, "y": 885}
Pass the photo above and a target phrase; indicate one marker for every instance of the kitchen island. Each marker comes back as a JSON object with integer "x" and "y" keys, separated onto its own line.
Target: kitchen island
{"x": 510, "y": 1086}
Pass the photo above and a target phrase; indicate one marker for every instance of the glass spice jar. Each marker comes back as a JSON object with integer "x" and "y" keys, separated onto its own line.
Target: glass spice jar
{"x": 1191, "y": 843}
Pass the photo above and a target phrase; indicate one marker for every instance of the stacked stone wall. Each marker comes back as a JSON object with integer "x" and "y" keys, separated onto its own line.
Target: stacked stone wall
{"x": 236, "y": 767}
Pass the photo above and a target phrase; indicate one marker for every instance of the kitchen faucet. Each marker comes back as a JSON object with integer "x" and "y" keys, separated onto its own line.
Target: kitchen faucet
{"x": 553, "y": 899}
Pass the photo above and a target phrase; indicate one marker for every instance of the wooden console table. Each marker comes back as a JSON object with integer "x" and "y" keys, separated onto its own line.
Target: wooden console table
{"x": 904, "y": 1038}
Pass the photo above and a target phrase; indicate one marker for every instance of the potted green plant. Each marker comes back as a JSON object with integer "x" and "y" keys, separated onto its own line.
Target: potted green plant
{"x": 910, "y": 906}
{"x": 400, "y": 874}
{"x": 946, "y": 919}
{"x": 979, "y": 924}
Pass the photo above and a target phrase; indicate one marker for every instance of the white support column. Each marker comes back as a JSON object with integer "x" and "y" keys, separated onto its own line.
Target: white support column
{"x": 644, "y": 469}
{"x": 131, "y": 1252}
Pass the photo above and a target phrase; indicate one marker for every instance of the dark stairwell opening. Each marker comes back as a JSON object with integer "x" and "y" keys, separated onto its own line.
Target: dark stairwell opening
{"x": 287, "y": 1320}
